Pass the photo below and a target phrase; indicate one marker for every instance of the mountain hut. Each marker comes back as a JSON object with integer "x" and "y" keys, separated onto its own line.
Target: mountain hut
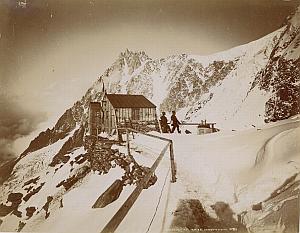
{"x": 120, "y": 111}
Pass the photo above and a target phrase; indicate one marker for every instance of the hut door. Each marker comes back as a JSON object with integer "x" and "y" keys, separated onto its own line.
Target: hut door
{"x": 135, "y": 114}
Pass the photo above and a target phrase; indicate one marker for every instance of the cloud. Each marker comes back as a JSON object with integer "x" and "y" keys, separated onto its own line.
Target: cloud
{"x": 15, "y": 122}
{"x": 6, "y": 151}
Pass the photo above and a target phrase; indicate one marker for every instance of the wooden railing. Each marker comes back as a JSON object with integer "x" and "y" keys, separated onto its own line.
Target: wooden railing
{"x": 172, "y": 160}
{"x": 115, "y": 221}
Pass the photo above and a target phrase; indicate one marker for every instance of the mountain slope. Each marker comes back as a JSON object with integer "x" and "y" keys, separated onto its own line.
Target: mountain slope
{"x": 281, "y": 76}
{"x": 235, "y": 88}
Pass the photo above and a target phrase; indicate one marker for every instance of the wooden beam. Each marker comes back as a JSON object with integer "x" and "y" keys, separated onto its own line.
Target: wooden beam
{"x": 117, "y": 129}
{"x": 150, "y": 135}
{"x": 127, "y": 143}
{"x": 113, "y": 224}
{"x": 173, "y": 168}
{"x": 186, "y": 123}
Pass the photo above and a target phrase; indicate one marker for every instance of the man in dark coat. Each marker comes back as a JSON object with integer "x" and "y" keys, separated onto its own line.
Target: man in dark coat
{"x": 165, "y": 128}
{"x": 175, "y": 123}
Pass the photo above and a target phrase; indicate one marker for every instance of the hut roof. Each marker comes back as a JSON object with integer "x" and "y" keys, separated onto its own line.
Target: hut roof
{"x": 129, "y": 101}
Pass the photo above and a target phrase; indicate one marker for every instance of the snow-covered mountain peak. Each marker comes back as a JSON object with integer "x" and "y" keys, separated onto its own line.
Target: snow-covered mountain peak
{"x": 129, "y": 61}
{"x": 233, "y": 88}
{"x": 129, "y": 54}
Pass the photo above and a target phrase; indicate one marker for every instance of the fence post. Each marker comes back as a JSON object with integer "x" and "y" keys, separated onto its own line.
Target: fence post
{"x": 173, "y": 169}
{"x": 127, "y": 142}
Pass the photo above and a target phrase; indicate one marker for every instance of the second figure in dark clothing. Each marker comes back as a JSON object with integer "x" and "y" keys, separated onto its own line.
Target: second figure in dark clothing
{"x": 165, "y": 128}
{"x": 175, "y": 122}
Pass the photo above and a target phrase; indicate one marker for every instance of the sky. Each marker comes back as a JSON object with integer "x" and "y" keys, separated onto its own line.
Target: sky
{"x": 51, "y": 51}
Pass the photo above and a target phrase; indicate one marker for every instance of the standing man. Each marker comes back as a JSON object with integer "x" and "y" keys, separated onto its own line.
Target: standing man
{"x": 164, "y": 123}
{"x": 175, "y": 122}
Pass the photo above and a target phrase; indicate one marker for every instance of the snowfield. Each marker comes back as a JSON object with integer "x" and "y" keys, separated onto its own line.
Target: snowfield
{"x": 238, "y": 168}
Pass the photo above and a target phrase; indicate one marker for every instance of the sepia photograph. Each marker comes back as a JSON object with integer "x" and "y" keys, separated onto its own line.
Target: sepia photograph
{"x": 149, "y": 116}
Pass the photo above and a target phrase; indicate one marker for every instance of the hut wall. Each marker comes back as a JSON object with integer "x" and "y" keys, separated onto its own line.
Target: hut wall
{"x": 135, "y": 114}
{"x": 109, "y": 116}
{"x": 123, "y": 114}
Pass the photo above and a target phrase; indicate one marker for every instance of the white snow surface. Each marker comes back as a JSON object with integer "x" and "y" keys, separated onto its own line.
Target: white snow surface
{"x": 240, "y": 168}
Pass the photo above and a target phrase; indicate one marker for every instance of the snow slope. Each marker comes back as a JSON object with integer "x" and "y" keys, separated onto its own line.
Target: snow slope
{"x": 261, "y": 161}
{"x": 240, "y": 168}
{"x": 237, "y": 168}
